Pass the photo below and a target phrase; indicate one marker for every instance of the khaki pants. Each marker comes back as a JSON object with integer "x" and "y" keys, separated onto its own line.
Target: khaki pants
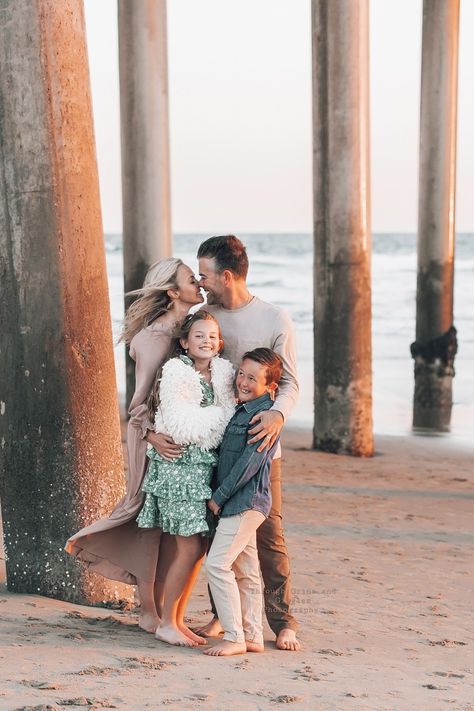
{"x": 234, "y": 577}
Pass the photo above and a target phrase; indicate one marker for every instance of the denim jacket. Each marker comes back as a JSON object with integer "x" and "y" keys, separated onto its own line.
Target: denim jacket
{"x": 243, "y": 474}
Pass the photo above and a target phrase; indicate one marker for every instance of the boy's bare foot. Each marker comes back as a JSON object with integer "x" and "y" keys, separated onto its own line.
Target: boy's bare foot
{"x": 254, "y": 647}
{"x": 212, "y": 629}
{"x": 190, "y": 634}
{"x": 226, "y": 649}
{"x": 148, "y": 623}
{"x": 172, "y": 635}
{"x": 286, "y": 639}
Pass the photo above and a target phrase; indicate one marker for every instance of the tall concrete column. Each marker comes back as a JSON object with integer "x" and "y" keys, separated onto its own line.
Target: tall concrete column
{"x": 342, "y": 238}
{"x": 60, "y": 455}
{"x": 436, "y": 344}
{"x": 145, "y": 142}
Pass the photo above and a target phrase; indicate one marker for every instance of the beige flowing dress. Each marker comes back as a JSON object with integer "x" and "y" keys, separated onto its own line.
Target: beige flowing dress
{"x": 115, "y": 546}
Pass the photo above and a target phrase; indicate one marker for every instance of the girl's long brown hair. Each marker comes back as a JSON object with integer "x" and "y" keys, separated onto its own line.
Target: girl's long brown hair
{"x": 176, "y": 349}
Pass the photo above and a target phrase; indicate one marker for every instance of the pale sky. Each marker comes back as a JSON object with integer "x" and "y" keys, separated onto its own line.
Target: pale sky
{"x": 240, "y": 114}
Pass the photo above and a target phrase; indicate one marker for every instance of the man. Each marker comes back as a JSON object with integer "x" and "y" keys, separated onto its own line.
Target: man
{"x": 246, "y": 323}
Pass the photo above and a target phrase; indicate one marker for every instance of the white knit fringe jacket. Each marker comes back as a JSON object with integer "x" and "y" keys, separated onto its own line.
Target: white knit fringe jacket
{"x": 179, "y": 413}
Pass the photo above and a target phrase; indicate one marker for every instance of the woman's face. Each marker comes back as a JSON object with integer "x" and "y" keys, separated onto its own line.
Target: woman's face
{"x": 203, "y": 340}
{"x": 189, "y": 291}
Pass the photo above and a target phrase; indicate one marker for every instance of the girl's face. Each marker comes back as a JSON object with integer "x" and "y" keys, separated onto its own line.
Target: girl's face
{"x": 203, "y": 340}
{"x": 188, "y": 289}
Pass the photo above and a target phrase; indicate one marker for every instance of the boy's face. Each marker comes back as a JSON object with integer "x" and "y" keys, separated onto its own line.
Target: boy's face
{"x": 251, "y": 380}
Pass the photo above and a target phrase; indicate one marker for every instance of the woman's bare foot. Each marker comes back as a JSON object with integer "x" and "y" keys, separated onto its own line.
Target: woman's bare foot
{"x": 190, "y": 634}
{"x": 254, "y": 647}
{"x": 226, "y": 649}
{"x": 212, "y": 629}
{"x": 286, "y": 639}
{"x": 172, "y": 635}
{"x": 148, "y": 622}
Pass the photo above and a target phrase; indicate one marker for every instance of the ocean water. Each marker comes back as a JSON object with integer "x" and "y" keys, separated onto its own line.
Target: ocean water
{"x": 281, "y": 272}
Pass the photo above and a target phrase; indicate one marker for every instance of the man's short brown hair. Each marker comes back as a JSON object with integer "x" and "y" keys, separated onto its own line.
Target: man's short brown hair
{"x": 228, "y": 253}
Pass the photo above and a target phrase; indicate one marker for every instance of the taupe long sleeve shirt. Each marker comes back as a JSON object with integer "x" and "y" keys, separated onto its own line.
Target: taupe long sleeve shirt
{"x": 261, "y": 325}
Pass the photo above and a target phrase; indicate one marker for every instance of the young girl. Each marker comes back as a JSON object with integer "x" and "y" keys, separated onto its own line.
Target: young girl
{"x": 195, "y": 400}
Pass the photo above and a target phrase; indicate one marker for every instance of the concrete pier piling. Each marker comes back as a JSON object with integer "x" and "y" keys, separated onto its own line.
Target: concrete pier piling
{"x": 342, "y": 238}
{"x": 145, "y": 142}
{"x": 60, "y": 456}
{"x": 435, "y": 346}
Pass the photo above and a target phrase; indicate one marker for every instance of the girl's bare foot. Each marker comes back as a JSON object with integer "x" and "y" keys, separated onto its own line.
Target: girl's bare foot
{"x": 172, "y": 635}
{"x": 212, "y": 629}
{"x": 148, "y": 622}
{"x": 254, "y": 647}
{"x": 190, "y": 634}
{"x": 286, "y": 639}
{"x": 226, "y": 649}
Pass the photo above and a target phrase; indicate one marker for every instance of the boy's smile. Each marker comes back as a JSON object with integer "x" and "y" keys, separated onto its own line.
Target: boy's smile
{"x": 251, "y": 380}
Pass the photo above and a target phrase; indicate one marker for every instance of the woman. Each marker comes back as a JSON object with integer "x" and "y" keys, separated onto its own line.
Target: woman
{"x": 115, "y": 546}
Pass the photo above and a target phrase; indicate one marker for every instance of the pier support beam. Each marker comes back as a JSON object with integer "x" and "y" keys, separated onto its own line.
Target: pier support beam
{"x": 60, "y": 453}
{"x": 436, "y": 345}
{"x": 342, "y": 238}
{"x": 145, "y": 143}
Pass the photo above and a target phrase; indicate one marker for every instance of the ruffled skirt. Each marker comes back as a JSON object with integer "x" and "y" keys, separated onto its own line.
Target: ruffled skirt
{"x": 176, "y": 493}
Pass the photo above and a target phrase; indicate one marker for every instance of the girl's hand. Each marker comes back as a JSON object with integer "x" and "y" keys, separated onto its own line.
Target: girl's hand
{"x": 267, "y": 425}
{"x": 164, "y": 445}
{"x": 211, "y": 504}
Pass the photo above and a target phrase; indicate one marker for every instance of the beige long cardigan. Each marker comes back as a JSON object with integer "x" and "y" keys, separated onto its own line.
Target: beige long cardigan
{"x": 114, "y": 546}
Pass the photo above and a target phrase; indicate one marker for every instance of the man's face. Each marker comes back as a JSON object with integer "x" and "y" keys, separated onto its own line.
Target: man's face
{"x": 211, "y": 281}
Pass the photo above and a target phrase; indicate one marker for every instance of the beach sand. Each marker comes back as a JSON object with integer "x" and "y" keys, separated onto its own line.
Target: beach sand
{"x": 382, "y": 559}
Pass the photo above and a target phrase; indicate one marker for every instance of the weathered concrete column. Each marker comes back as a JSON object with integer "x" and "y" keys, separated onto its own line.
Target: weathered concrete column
{"x": 145, "y": 142}
{"x": 60, "y": 456}
{"x": 436, "y": 344}
{"x": 342, "y": 239}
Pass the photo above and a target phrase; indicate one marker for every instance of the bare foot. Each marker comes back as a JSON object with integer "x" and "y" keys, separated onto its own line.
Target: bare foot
{"x": 148, "y": 623}
{"x": 212, "y": 629}
{"x": 226, "y": 649}
{"x": 287, "y": 640}
{"x": 254, "y": 647}
{"x": 172, "y": 635}
{"x": 190, "y": 634}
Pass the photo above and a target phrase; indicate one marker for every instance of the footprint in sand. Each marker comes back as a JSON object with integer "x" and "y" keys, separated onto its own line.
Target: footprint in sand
{"x": 306, "y": 673}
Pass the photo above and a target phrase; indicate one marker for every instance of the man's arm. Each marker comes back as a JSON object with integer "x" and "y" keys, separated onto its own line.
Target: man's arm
{"x": 267, "y": 425}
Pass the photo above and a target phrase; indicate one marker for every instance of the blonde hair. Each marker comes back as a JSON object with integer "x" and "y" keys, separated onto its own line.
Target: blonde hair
{"x": 153, "y": 300}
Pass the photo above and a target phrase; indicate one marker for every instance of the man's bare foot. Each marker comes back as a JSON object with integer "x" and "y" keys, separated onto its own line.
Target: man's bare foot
{"x": 190, "y": 634}
{"x": 212, "y": 629}
{"x": 254, "y": 647}
{"x": 148, "y": 623}
{"x": 286, "y": 639}
{"x": 172, "y": 635}
{"x": 226, "y": 648}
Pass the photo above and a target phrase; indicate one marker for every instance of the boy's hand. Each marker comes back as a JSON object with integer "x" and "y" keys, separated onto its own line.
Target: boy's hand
{"x": 211, "y": 504}
{"x": 268, "y": 425}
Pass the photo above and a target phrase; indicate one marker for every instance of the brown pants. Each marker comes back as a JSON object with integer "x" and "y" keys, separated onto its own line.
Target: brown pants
{"x": 274, "y": 562}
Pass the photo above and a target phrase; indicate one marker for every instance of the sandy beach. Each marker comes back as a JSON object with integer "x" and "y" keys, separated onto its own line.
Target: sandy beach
{"x": 382, "y": 559}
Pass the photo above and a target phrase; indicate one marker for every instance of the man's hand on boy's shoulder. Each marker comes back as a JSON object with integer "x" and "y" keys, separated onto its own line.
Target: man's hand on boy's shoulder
{"x": 267, "y": 427}
{"x": 211, "y": 504}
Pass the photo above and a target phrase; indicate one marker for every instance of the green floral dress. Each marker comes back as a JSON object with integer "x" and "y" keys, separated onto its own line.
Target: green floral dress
{"x": 176, "y": 492}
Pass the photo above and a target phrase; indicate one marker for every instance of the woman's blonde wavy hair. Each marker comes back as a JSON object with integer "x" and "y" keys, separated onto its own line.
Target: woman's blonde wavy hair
{"x": 153, "y": 300}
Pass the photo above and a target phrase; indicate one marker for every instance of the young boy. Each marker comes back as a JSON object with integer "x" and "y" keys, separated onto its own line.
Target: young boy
{"x": 242, "y": 498}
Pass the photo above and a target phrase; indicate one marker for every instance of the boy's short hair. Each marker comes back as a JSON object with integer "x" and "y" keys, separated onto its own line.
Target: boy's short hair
{"x": 228, "y": 252}
{"x": 272, "y": 361}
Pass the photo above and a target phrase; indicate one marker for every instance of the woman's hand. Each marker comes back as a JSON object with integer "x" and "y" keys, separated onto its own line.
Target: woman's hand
{"x": 211, "y": 504}
{"x": 164, "y": 445}
{"x": 268, "y": 425}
